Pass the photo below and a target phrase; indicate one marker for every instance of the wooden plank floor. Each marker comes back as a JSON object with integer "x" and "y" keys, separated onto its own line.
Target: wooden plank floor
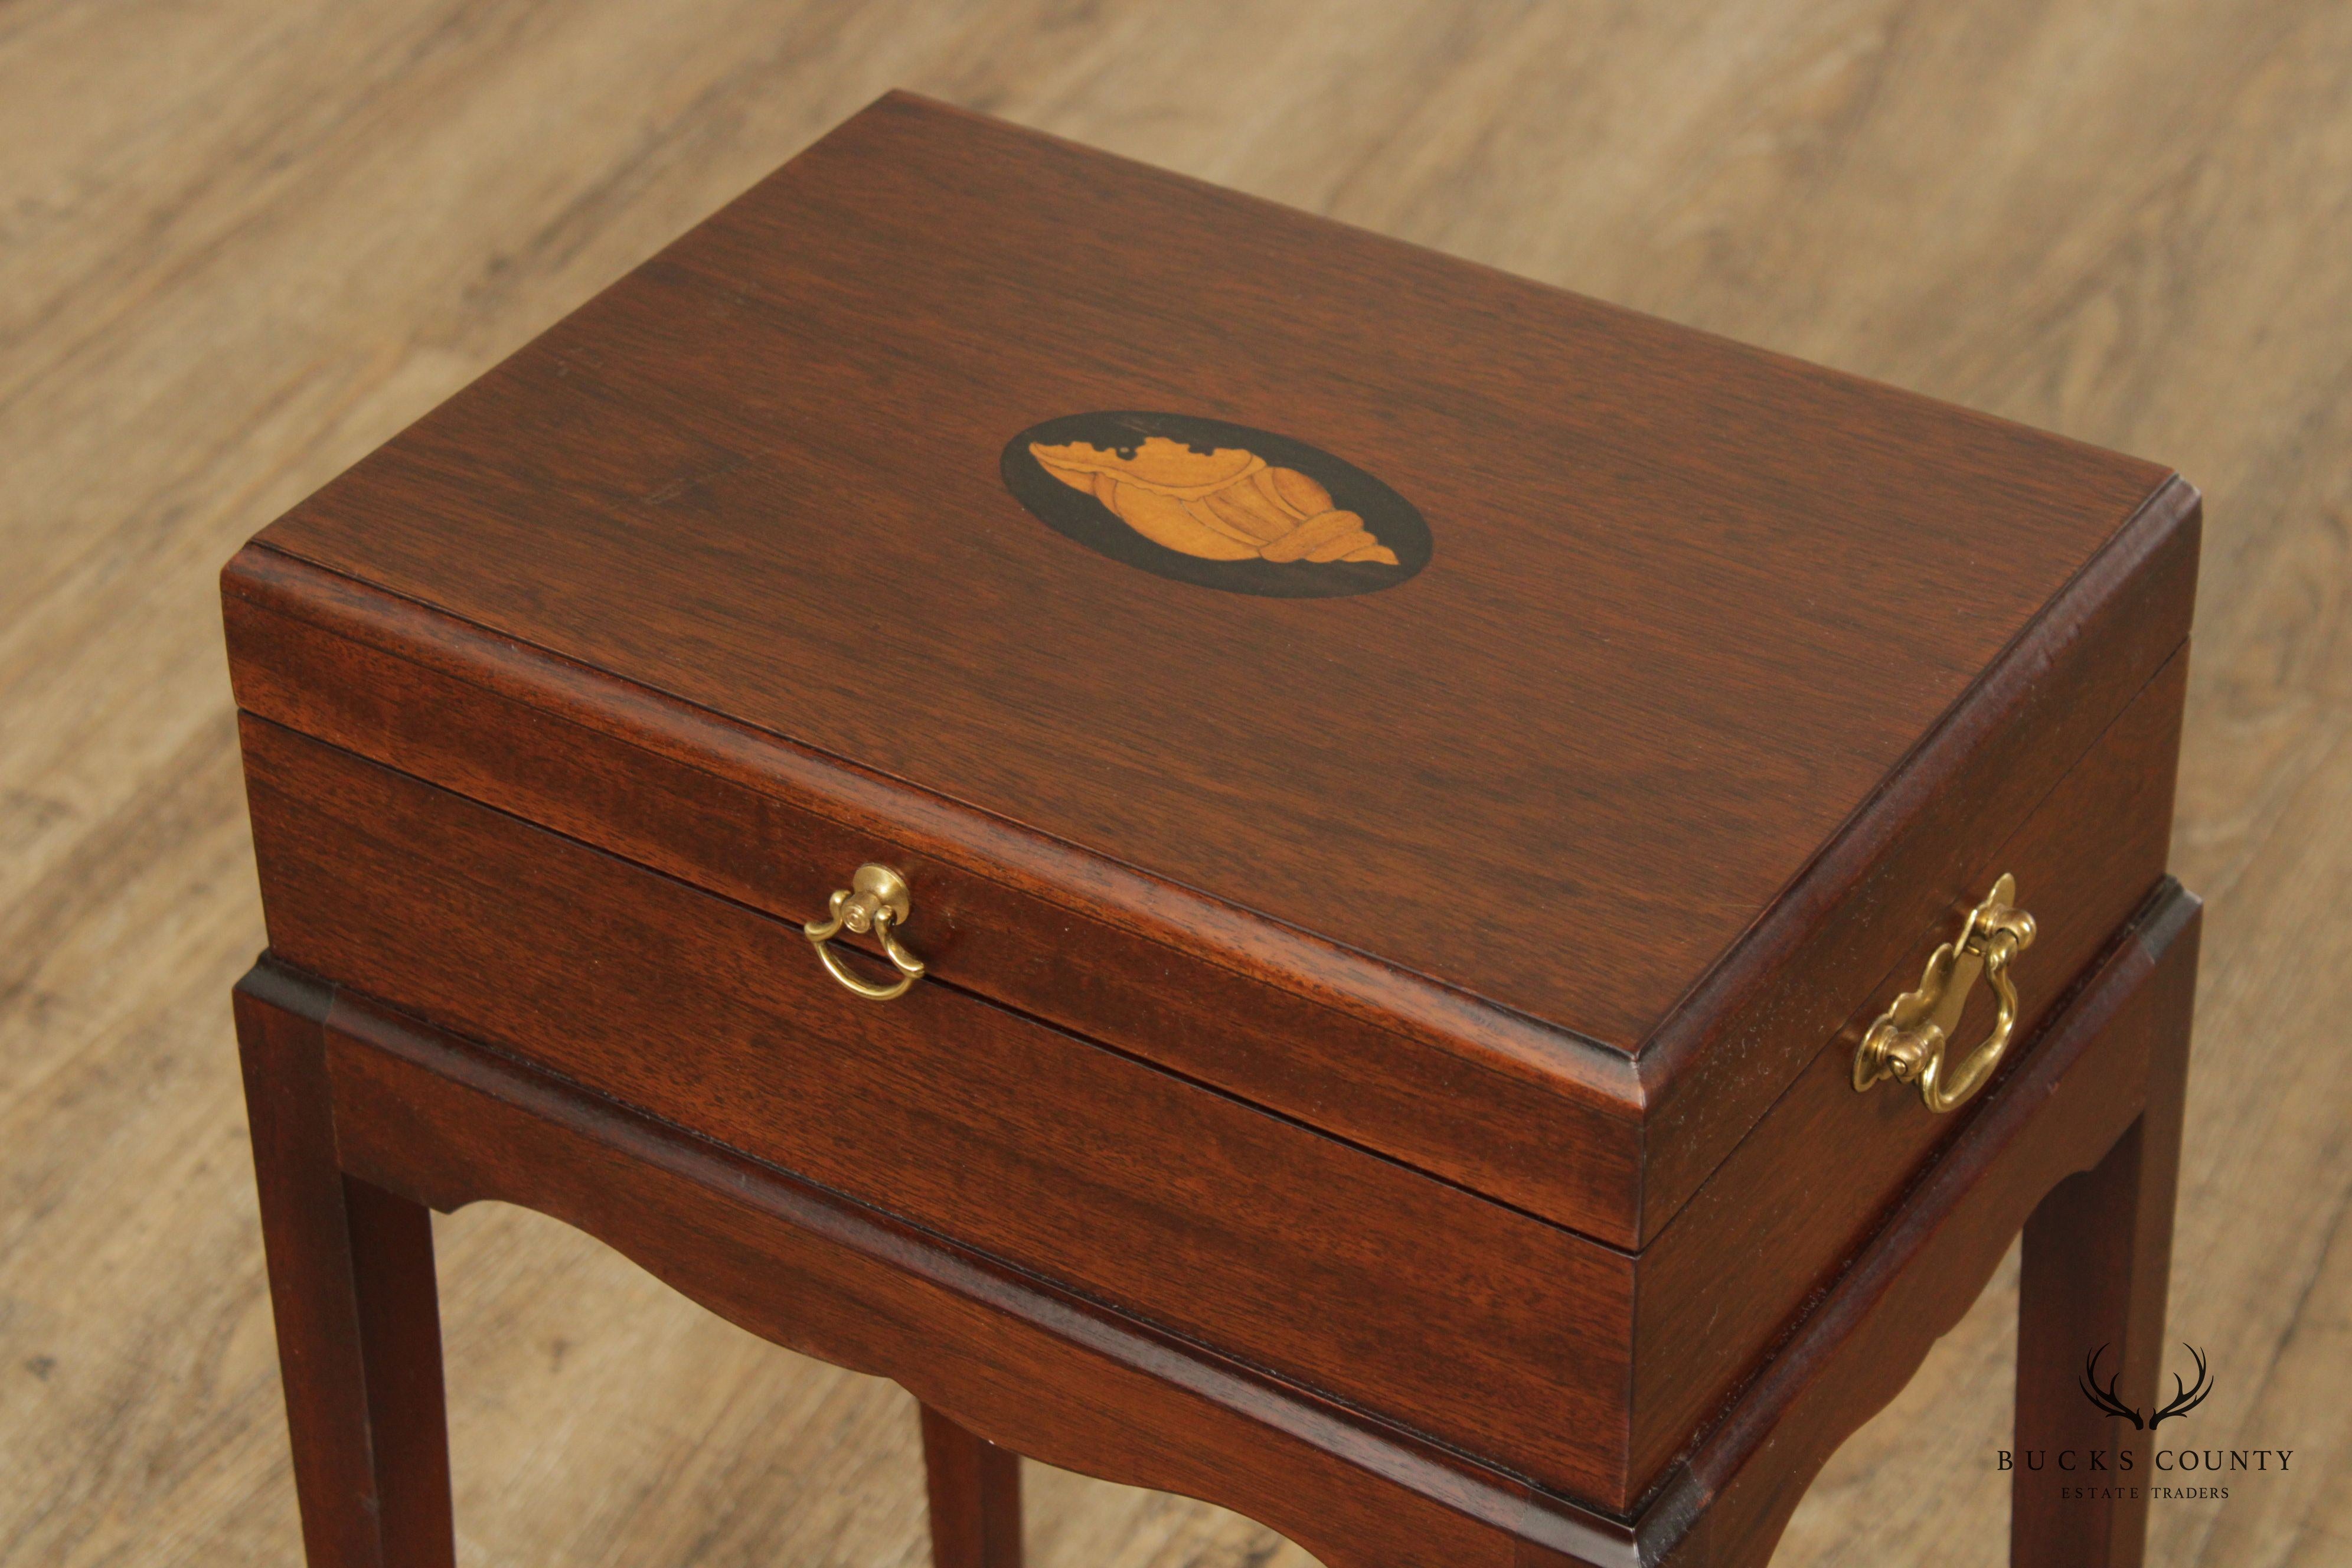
{"x": 242, "y": 243}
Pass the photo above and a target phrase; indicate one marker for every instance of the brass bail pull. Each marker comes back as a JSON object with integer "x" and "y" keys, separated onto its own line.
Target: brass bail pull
{"x": 876, "y": 900}
{"x": 1910, "y": 1042}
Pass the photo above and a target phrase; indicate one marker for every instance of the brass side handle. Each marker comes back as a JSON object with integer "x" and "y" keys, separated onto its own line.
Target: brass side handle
{"x": 1910, "y": 1042}
{"x": 876, "y": 900}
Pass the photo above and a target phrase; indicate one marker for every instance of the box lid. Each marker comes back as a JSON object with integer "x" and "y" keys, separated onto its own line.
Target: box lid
{"x": 1508, "y": 669}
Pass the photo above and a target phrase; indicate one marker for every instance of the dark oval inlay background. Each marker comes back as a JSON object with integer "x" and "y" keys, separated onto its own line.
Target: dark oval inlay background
{"x": 1074, "y": 514}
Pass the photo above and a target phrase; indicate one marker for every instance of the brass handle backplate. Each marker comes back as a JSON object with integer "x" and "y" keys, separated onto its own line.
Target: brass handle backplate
{"x": 876, "y": 900}
{"x": 1911, "y": 1041}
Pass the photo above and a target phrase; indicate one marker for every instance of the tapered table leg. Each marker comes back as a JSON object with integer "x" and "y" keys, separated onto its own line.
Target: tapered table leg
{"x": 351, "y": 1284}
{"x": 2097, "y": 1258}
{"x": 975, "y": 1490}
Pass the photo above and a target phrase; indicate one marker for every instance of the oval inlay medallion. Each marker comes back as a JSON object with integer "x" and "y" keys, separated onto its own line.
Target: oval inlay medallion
{"x": 1224, "y": 506}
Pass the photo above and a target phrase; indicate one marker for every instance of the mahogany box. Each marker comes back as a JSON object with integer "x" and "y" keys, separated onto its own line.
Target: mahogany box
{"x": 1410, "y": 807}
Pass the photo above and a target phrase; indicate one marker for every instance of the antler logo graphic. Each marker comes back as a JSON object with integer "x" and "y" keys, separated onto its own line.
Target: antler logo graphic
{"x": 2185, "y": 1397}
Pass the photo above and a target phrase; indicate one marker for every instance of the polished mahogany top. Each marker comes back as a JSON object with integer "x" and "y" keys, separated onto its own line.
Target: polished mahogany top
{"x": 1687, "y": 606}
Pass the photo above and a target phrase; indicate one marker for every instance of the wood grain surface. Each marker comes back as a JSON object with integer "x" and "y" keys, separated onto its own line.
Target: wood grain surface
{"x": 1694, "y": 603}
{"x": 240, "y": 247}
{"x": 1288, "y": 1250}
{"x": 1697, "y": 600}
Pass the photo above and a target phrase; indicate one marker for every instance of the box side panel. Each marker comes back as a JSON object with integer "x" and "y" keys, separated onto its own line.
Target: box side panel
{"x": 1477, "y": 1325}
{"x": 1923, "y": 845}
{"x": 2111, "y": 1057}
{"x": 1800, "y": 1194}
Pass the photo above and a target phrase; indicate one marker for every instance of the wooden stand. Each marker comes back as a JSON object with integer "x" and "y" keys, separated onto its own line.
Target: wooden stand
{"x": 362, "y": 1120}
